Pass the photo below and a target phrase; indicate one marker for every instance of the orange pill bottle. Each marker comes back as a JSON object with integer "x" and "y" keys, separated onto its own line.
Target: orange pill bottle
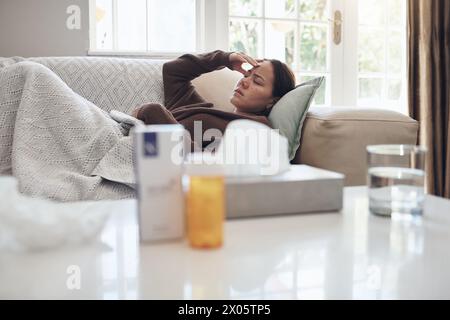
{"x": 205, "y": 201}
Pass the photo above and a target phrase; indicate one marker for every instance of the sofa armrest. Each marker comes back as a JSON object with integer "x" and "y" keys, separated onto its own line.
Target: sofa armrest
{"x": 335, "y": 138}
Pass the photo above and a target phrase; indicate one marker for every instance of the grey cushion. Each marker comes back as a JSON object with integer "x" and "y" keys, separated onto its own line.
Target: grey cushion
{"x": 289, "y": 113}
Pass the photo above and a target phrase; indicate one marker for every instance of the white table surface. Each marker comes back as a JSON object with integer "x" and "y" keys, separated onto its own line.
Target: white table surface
{"x": 342, "y": 255}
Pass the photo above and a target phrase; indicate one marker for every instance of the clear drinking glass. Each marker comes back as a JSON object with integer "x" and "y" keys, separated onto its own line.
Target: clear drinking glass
{"x": 396, "y": 180}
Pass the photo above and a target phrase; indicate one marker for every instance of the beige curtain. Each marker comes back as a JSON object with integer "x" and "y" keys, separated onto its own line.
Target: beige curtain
{"x": 429, "y": 86}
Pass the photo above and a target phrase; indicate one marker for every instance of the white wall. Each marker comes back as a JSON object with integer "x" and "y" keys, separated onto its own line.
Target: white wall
{"x": 38, "y": 28}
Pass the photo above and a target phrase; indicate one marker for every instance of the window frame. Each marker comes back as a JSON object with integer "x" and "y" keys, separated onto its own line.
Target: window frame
{"x": 211, "y": 31}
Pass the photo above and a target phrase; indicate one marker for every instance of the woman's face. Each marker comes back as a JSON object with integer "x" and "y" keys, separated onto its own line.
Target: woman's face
{"x": 253, "y": 93}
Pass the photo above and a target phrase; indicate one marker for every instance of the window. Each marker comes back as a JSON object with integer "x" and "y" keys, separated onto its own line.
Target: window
{"x": 293, "y": 31}
{"x": 367, "y": 67}
{"x": 143, "y": 26}
{"x": 382, "y": 53}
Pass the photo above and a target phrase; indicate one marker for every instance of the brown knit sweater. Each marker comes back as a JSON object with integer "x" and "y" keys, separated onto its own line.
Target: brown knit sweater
{"x": 184, "y": 105}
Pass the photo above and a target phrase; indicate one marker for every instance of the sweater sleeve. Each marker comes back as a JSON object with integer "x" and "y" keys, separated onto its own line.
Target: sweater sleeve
{"x": 178, "y": 73}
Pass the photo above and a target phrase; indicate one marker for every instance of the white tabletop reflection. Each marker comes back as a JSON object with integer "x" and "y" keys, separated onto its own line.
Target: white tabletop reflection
{"x": 342, "y": 255}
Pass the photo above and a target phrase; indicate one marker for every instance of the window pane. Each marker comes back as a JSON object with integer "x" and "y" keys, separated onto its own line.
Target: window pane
{"x": 395, "y": 52}
{"x": 394, "y": 89}
{"x": 320, "y": 96}
{"x": 313, "y": 48}
{"x": 371, "y": 50}
{"x": 280, "y": 41}
{"x": 370, "y": 91}
{"x": 396, "y": 12}
{"x": 131, "y": 25}
{"x": 246, "y": 8}
{"x": 381, "y": 56}
{"x": 280, "y": 8}
{"x": 246, "y": 36}
{"x": 313, "y": 10}
{"x": 103, "y": 26}
{"x": 371, "y": 12}
{"x": 172, "y": 25}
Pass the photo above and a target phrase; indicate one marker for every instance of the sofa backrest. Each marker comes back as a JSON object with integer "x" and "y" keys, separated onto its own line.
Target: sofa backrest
{"x": 110, "y": 83}
{"x": 126, "y": 83}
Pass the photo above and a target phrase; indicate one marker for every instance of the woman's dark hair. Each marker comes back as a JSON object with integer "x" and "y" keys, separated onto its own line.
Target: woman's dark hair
{"x": 284, "y": 80}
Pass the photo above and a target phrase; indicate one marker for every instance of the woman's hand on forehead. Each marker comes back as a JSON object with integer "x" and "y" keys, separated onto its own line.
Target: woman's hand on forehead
{"x": 242, "y": 63}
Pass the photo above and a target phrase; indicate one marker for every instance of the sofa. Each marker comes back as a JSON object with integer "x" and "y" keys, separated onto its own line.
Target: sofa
{"x": 333, "y": 138}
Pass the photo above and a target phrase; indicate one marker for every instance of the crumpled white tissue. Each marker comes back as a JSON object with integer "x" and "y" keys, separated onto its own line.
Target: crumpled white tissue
{"x": 250, "y": 148}
{"x": 31, "y": 224}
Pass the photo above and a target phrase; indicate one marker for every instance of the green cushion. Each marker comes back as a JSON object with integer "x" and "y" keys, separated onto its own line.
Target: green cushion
{"x": 289, "y": 113}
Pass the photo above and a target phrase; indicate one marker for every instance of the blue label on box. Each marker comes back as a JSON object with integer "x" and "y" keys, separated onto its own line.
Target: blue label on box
{"x": 150, "y": 144}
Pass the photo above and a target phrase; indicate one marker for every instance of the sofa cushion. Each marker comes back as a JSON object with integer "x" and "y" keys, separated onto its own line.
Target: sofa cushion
{"x": 217, "y": 87}
{"x": 335, "y": 138}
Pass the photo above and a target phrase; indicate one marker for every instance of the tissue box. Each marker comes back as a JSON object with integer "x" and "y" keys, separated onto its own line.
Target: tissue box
{"x": 301, "y": 189}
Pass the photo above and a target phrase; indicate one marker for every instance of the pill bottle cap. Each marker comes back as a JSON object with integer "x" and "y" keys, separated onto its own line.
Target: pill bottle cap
{"x": 203, "y": 164}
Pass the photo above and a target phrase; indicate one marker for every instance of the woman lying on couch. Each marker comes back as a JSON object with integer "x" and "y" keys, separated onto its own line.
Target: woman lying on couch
{"x": 254, "y": 95}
